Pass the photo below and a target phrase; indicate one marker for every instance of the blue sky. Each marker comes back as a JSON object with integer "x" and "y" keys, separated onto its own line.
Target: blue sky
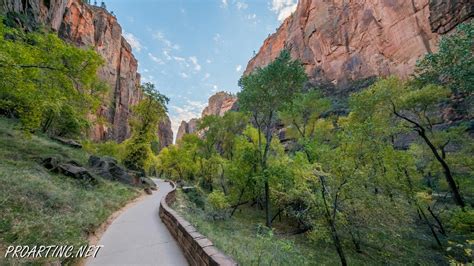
{"x": 191, "y": 49}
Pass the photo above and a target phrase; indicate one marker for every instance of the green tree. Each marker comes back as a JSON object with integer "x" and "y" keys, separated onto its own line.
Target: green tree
{"x": 146, "y": 116}
{"x": 264, "y": 93}
{"x": 453, "y": 64}
{"x": 50, "y": 85}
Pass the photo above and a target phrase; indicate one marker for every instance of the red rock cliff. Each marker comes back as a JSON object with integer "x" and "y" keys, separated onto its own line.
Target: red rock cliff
{"x": 218, "y": 104}
{"x": 89, "y": 26}
{"x": 340, "y": 41}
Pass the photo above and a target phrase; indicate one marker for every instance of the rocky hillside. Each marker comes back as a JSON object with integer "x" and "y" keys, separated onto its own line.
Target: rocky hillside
{"x": 218, "y": 104}
{"x": 343, "y": 41}
{"x": 90, "y": 26}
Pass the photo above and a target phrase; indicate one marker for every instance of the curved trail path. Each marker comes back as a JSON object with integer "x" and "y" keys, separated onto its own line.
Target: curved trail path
{"x": 138, "y": 237}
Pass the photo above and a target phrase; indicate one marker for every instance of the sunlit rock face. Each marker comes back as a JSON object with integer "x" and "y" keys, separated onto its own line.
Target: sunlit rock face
{"x": 89, "y": 26}
{"x": 218, "y": 104}
{"x": 341, "y": 41}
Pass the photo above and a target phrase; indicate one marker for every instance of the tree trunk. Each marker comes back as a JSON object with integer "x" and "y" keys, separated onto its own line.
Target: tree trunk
{"x": 433, "y": 232}
{"x": 332, "y": 226}
{"x": 438, "y": 221}
{"x": 267, "y": 205}
{"x": 447, "y": 172}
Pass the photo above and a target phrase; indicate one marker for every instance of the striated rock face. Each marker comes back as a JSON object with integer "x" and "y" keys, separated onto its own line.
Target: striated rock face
{"x": 218, "y": 104}
{"x": 339, "y": 41}
{"x": 165, "y": 134}
{"x": 89, "y": 26}
{"x": 86, "y": 25}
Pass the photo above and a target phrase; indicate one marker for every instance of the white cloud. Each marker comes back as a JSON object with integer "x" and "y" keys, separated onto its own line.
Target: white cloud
{"x": 224, "y": 3}
{"x": 217, "y": 37}
{"x": 148, "y": 78}
{"x": 206, "y": 76}
{"x": 184, "y": 75}
{"x": 155, "y": 59}
{"x": 167, "y": 55}
{"x": 133, "y": 41}
{"x": 241, "y": 5}
{"x": 283, "y": 8}
{"x": 197, "y": 105}
{"x": 215, "y": 88}
{"x": 179, "y": 59}
{"x": 238, "y": 68}
{"x": 195, "y": 63}
{"x": 208, "y": 61}
{"x": 168, "y": 44}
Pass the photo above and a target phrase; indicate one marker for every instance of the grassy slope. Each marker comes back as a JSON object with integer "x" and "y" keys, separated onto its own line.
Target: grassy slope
{"x": 238, "y": 238}
{"x": 41, "y": 208}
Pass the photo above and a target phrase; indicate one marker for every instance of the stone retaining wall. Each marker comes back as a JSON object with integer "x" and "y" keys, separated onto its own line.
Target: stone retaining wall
{"x": 197, "y": 249}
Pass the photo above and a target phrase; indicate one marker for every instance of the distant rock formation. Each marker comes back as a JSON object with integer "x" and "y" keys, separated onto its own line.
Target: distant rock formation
{"x": 165, "y": 134}
{"x": 218, "y": 104}
{"x": 186, "y": 128}
{"x": 85, "y": 25}
{"x": 343, "y": 41}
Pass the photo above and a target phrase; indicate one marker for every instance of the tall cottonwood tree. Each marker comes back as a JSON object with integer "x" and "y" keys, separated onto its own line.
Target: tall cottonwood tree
{"x": 264, "y": 93}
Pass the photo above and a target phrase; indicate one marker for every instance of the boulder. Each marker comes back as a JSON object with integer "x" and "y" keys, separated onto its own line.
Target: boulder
{"x": 68, "y": 142}
{"x": 110, "y": 169}
{"x": 188, "y": 189}
{"x": 76, "y": 172}
{"x": 71, "y": 168}
{"x": 148, "y": 183}
{"x": 148, "y": 191}
{"x": 50, "y": 163}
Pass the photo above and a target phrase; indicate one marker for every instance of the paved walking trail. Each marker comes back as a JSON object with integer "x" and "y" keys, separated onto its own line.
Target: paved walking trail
{"x": 138, "y": 237}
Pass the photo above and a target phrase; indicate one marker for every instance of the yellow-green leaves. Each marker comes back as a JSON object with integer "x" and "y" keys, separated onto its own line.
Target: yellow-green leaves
{"x": 45, "y": 80}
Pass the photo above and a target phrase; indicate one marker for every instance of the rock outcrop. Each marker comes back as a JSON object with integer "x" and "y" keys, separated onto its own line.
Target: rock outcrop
{"x": 165, "y": 134}
{"x": 218, "y": 104}
{"x": 342, "y": 41}
{"x": 85, "y": 25}
{"x": 186, "y": 128}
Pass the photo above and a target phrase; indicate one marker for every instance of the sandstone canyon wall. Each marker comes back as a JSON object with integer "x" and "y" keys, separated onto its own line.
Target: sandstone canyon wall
{"x": 218, "y": 104}
{"x": 341, "y": 41}
{"x": 90, "y": 26}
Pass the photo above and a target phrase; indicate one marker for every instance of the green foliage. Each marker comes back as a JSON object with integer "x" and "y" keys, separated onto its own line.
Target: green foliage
{"x": 377, "y": 185}
{"x": 453, "y": 64}
{"x": 267, "y": 90}
{"x": 144, "y": 122}
{"x": 179, "y": 162}
{"x": 50, "y": 85}
{"x": 109, "y": 148}
{"x": 217, "y": 200}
